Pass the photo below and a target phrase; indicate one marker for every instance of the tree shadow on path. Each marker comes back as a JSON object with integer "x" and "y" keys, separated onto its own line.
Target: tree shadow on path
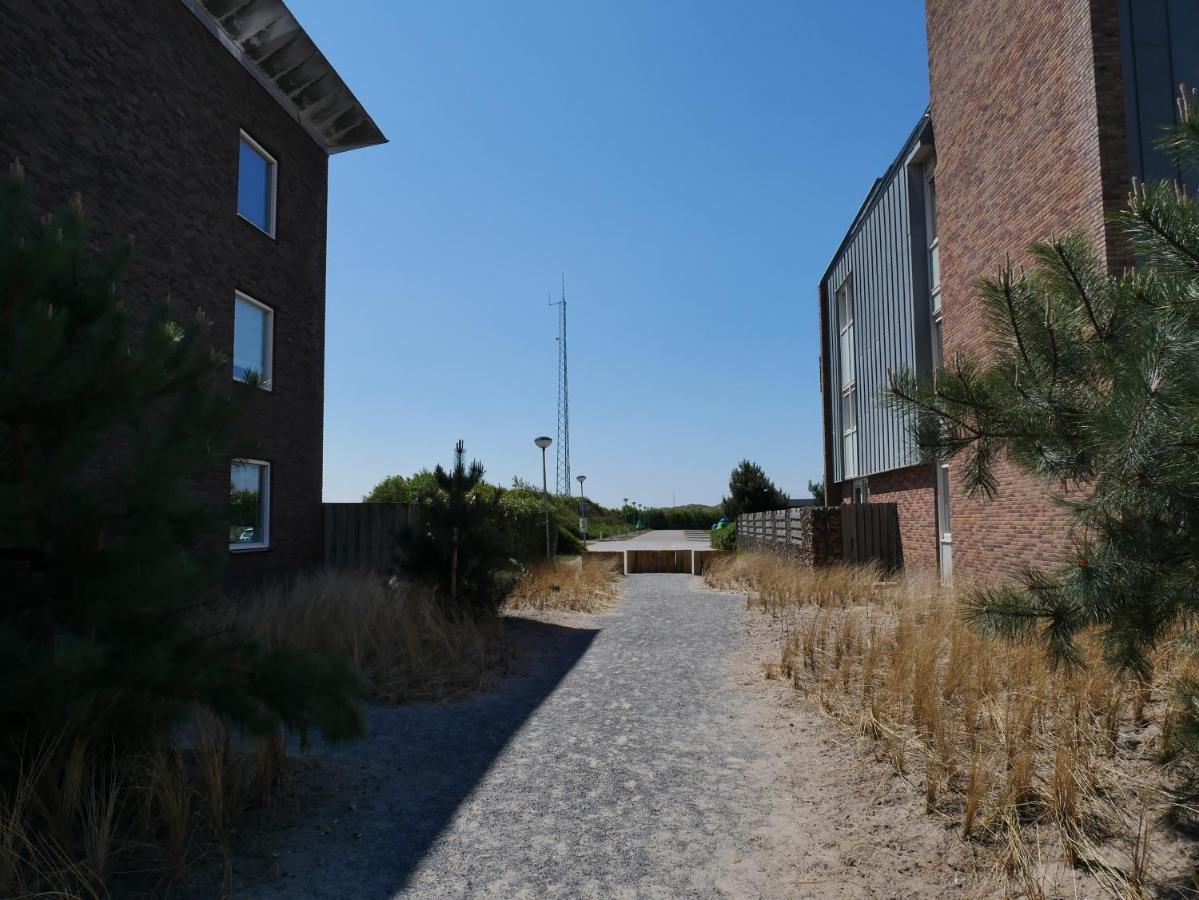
{"x": 387, "y": 799}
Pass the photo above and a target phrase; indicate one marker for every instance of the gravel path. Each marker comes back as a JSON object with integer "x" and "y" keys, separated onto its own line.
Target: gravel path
{"x": 636, "y": 753}
{"x": 619, "y": 767}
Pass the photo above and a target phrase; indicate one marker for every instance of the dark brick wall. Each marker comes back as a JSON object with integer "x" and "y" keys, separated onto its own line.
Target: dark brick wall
{"x": 1027, "y": 105}
{"x": 137, "y": 106}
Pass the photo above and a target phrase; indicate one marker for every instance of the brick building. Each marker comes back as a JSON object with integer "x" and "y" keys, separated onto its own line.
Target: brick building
{"x": 1043, "y": 111}
{"x": 203, "y": 128}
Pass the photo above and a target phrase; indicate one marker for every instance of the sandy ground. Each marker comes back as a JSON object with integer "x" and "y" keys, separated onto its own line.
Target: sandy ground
{"x": 634, "y": 753}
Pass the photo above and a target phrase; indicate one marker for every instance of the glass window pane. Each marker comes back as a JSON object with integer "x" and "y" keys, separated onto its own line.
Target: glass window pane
{"x": 251, "y": 330}
{"x": 247, "y": 506}
{"x": 847, "y": 354}
{"x": 934, "y": 267}
{"x": 848, "y": 304}
{"x": 932, "y": 210}
{"x": 254, "y": 186}
{"x": 849, "y": 456}
{"x": 849, "y": 410}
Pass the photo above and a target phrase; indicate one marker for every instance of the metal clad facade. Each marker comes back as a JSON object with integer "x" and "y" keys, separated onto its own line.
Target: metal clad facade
{"x": 1159, "y": 50}
{"x": 877, "y": 255}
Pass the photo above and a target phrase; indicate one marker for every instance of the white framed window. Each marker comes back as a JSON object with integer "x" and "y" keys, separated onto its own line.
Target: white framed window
{"x": 257, "y": 179}
{"x": 849, "y": 387}
{"x": 249, "y": 505}
{"x": 253, "y": 341}
{"x": 861, "y": 490}
{"x": 930, "y": 227}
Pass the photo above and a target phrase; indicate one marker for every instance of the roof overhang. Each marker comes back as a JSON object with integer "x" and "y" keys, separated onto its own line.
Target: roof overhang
{"x": 267, "y": 40}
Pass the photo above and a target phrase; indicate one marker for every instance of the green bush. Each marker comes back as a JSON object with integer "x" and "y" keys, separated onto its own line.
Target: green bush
{"x": 691, "y": 516}
{"x": 568, "y": 544}
{"x": 725, "y": 538}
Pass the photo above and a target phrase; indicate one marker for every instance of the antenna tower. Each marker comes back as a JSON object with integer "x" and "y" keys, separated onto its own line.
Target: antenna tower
{"x": 562, "y": 468}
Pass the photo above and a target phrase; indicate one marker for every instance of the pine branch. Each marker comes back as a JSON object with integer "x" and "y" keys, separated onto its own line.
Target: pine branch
{"x": 1066, "y": 263}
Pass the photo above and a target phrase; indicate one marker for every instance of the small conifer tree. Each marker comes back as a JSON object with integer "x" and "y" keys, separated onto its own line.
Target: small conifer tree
{"x": 107, "y": 549}
{"x": 458, "y": 545}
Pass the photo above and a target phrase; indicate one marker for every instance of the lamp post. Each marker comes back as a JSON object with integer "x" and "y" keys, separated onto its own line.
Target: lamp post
{"x": 582, "y": 506}
{"x": 544, "y": 442}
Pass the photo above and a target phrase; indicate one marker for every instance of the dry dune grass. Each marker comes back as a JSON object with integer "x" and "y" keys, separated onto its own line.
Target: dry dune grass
{"x": 570, "y": 586}
{"x": 76, "y": 821}
{"x": 407, "y": 643}
{"x": 1047, "y": 773}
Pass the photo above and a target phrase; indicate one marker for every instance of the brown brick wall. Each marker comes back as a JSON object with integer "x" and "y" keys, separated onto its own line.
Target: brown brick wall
{"x": 914, "y": 491}
{"x": 137, "y": 106}
{"x": 1027, "y": 111}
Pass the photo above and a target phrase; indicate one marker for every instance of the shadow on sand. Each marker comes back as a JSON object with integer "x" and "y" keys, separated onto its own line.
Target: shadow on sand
{"x": 387, "y": 799}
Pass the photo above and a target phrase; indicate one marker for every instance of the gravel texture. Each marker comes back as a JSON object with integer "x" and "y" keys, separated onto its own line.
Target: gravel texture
{"x": 617, "y": 766}
{"x": 635, "y": 753}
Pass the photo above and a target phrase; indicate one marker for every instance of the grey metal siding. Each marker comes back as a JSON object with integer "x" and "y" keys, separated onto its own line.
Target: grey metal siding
{"x": 886, "y": 263}
{"x": 1159, "y": 44}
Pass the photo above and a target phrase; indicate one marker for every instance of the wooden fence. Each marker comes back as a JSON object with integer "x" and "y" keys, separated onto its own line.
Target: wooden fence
{"x": 658, "y": 561}
{"x": 780, "y": 527}
{"x": 819, "y": 535}
{"x": 363, "y": 535}
{"x": 870, "y": 531}
{"x": 701, "y": 559}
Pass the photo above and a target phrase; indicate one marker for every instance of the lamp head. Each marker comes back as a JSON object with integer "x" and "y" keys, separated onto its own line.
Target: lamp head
{"x": 543, "y": 441}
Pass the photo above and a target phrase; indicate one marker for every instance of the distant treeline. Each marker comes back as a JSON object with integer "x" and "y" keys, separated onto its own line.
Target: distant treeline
{"x": 693, "y": 515}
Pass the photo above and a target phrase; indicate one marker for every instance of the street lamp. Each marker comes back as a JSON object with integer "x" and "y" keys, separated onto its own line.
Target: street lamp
{"x": 544, "y": 442}
{"x": 582, "y": 506}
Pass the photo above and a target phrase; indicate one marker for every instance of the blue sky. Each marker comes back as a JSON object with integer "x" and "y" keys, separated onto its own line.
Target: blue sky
{"x": 690, "y": 166}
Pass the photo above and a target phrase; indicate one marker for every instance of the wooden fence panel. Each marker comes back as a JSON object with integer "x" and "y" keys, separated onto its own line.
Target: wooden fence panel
{"x": 870, "y": 532}
{"x": 363, "y": 535}
{"x": 676, "y": 561}
{"x": 701, "y": 559}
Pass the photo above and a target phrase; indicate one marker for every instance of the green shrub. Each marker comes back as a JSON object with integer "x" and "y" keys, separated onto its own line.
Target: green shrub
{"x": 568, "y": 544}
{"x": 725, "y": 538}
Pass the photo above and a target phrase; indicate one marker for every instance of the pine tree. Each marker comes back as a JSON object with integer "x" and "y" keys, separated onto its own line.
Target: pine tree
{"x": 816, "y": 489}
{"x": 458, "y": 546}
{"x": 107, "y": 552}
{"x": 751, "y": 491}
{"x": 1093, "y": 384}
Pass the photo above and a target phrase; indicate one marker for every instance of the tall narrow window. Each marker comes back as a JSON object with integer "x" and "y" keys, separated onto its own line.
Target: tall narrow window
{"x": 256, "y": 177}
{"x": 849, "y": 390}
{"x": 861, "y": 490}
{"x": 934, "y": 251}
{"x": 253, "y": 337}
{"x": 249, "y": 504}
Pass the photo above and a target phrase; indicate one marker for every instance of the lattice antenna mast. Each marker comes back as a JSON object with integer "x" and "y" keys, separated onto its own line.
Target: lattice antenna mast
{"x": 562, "y": 469}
